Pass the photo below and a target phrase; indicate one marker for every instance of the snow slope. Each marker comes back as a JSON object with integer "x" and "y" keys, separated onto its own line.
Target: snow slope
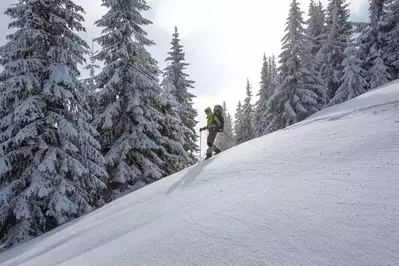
{"x": 321, "y": 192}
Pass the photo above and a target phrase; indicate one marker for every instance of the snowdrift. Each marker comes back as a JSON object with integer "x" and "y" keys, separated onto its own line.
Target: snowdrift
{"x": 321, "y": 192}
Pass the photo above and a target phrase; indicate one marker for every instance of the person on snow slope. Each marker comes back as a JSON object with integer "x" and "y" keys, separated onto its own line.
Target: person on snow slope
{"x": 214, "y": 126}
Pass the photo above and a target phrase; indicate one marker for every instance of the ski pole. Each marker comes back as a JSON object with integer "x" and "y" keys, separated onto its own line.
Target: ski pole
{"x": 229, "y": 138}
{"x": 200, "y": 155}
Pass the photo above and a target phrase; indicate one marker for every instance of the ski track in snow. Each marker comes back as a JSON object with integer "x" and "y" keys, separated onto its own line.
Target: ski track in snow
{"x": 322, "y": 192}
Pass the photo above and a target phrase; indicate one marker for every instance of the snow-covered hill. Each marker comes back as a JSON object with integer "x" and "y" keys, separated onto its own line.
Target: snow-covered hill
{"x": 321, "y": 192}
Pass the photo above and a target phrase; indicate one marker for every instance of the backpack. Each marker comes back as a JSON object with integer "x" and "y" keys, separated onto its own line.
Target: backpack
{"x": 219, "y": 112}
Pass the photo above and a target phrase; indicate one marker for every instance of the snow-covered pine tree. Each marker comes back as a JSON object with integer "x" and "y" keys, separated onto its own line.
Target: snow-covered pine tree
{"x": 331, "y": 55}
{"x": 223, "y": 141}
{"x": 90, "y": 81}
{"x": 176, "y": 158}
{"x": 372, "y": 42}
{"x": 92, "y": 66}
{"x": 174, "y": 75}
{"x": 353, "y": 82}
{"x": 314, "y": 34}
{"x": 260, "y": 106}
{"x": 131, "y": 118}
{"x": 315, "y": 27}
{"x": 266, "y": 90}
{"x": 238, "y": 121}
{"x": 391, "y": 22}
{"x": 246, "y": 131}
{"x": 273, "y": 72}
{"x": 301, "y": 92}
{"x": 51, "y": 169}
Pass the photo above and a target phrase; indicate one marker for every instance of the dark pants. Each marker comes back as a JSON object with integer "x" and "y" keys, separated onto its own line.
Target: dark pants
{"x": 211, "y": 137}
{"x": 210, "y": 141}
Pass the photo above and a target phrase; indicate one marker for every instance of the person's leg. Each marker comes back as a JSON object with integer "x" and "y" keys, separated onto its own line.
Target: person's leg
{"x": 211, "y": 139}
{"x": 216, "y": 149}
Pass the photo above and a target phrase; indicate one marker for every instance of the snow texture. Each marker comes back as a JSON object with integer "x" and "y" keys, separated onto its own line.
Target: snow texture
{"x": 331, "y": 200}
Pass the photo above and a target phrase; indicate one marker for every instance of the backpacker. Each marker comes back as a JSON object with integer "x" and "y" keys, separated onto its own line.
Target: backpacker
{"x": 219, "y": 112}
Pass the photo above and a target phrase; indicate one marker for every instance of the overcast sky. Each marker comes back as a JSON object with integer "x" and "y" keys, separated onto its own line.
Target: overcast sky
{"x": 224, "y": 40}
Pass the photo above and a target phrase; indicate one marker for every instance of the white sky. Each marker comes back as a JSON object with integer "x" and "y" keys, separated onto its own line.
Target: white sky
{"x": 224, "y": 40}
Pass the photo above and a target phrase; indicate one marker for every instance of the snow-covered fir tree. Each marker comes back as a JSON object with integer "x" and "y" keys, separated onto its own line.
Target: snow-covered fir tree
{"x": 92, "y": 66}
{"x": 267, "y": 84}
{"x": 315, "y": 27}
{"x": 331, "y": 55}
{"x": 391, "y": 22}
{"x": 246, "y": 131}
{"x": 175, "y": 76}
{"x": 238, "y": 121}
{"x": 51, "y": 169}
{"x": 379, "y": 72}
{"x": 176, "y": 158}
{"x": 271, "y": 110}
{"x": 372, "y": 43}
{"x": 263, "y": 94}
{"x": 131, "y": 118}
{"x": 301, "y": 92}
{"x": 224, "y": 140}
{"x": 353, "y": 82}
{"x": 273, "y": 71}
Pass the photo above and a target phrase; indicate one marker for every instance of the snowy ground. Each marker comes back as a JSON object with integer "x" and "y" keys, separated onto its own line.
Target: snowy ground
{"x": 322, "y": 192}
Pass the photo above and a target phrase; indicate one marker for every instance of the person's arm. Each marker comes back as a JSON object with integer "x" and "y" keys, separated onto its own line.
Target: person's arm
{"x": 203, "y": 128}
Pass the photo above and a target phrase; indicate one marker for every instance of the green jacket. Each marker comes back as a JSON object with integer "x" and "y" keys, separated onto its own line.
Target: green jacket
{"x": 212, "y": 119}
